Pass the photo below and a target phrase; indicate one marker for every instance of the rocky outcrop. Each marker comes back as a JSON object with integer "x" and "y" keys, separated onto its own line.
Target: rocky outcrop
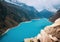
{"x": 56, "y": 15}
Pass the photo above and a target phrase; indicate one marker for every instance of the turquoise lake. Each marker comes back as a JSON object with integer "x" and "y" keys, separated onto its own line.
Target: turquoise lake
{"x": 25, "y": 30}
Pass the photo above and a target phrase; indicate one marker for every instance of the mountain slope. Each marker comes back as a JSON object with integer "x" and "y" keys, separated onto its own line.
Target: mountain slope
{"x": 45, "y": 13}
{"x": 17, "y": 13}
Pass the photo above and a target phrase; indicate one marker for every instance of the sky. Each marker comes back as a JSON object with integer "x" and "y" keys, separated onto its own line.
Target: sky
{"x": 42, "y": 4}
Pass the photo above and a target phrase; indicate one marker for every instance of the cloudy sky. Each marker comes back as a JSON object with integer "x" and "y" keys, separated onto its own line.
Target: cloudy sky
{"x": 42, "y": 4}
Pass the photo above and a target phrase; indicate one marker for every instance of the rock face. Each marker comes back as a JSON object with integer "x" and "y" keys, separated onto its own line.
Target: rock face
{"x": 57, "y": 15}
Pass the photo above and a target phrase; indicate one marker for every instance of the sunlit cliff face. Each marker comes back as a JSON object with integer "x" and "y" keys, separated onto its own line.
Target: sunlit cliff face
{"x": 54, "y": 29}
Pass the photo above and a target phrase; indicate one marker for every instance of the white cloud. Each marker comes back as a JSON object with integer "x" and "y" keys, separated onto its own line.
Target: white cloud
{"x": 41, "y": 4}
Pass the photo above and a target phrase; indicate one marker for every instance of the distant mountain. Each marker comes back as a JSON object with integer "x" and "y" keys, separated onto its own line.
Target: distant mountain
{"x": 45, "y": 13}
{"x": 34, "y": 13}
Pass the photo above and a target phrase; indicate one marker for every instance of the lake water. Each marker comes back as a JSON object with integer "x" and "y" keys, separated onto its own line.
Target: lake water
{"x": 25, "y": 30}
